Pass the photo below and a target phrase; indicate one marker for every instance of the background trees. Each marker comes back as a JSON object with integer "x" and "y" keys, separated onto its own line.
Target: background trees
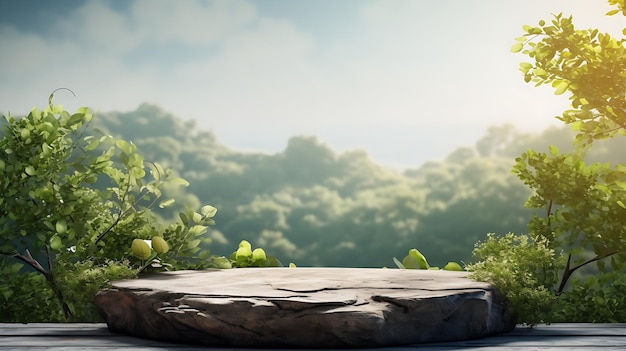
{"x": 320, "y": 207}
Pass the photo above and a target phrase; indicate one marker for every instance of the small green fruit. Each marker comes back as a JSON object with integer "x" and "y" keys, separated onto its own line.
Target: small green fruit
{"x": 141, "y": 249}
{"x": 160, "y": 245}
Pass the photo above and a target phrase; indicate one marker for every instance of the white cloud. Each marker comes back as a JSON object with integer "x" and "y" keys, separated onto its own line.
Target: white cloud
{"x": 94, "y": 28}
{"x": 404, "y": 70}
{"x": 190, "y": 22}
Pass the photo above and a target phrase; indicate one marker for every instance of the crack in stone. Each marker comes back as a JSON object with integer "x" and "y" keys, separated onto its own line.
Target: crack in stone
{"x": 287, "y": 305}
{"x": 392, "y": 301}
{"x": 373, "y": 288}
{"x": 204, "y": 314}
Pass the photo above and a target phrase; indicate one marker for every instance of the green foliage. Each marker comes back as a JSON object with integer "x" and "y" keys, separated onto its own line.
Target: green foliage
{"x": 72, "y": 204}
{"x": 583, "y": 217}
{"x": 244, "y": 256}
{"x": 416, "y": 260}
{"x": 596, "y": 299}
{"x": 584, "y": 209}
{"x": 26, "y": 296}
{"x": 523, "y": 269}
{"x": 80, "y": 281}
{"x": 586, "y": 63}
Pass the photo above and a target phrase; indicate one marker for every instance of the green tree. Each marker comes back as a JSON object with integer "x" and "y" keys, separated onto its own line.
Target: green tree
{"x": 71, "y": 205}
{"x": 582, "y": 217}
{"x": 584, "y": 208}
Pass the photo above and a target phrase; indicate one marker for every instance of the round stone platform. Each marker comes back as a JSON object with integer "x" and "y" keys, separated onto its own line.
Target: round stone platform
{"x": 305, "y": 307}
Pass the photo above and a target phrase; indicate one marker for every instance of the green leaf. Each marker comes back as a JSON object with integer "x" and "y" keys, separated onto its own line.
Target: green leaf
{"x": 452, "y": 266}
{"x": 245, "y": 243}
{"x": 621, "y": 184}
{"x": 166, "y": 203}
{"x": 576, "y": 126}
{"x": 137, "y": 172}
{"x": 197, "y": 230}
{"x": 124, "y": 146}
{"x": 183, "y": 217}
{"x": 61, "y": 226}
{"x": 540, "y": 72}
{"x": 561, "y": 88}
{"x": 525, "y": 66}
{"x": 208, "y": 211}
{"x": 243, "y": 254}
{"x": 414, "y": 253}
{"x": 197, "y": 218}
{"x": 517, "y": 47}
{"x": 46, "y": 149}
{"x": 30, "y": 170}
{"x": 554, "y": 150}
{"x": 258, "y": 255}
{"x": 193, "y": 243}
{"x": 179, "y": 181}
{"x": 612, "y": 12}
{"x": 49, "y": 225}
{"x": 398, "y": 263}
{"x": 221, "y": 262}
{"x": 56, "y": 243}
{"x": 75, "y": 119}
{"x": 25, "y": 134}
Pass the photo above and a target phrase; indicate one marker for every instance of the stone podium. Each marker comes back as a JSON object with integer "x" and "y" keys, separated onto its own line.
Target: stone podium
{"x": 305, "y": 307}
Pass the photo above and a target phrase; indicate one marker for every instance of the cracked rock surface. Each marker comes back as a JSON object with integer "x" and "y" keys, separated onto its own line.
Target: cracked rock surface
{"x": 305, "y": 307}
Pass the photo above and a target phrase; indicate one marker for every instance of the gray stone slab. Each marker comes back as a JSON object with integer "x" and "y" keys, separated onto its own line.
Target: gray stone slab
{"x": 305, "y": 307}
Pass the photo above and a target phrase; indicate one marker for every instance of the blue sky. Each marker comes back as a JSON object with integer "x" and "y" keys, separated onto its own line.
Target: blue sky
{"x": 406, "y": 80}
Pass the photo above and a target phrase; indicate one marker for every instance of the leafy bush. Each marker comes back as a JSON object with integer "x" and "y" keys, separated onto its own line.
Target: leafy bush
{"x": 26, "y": 296}
{"x": 80, "y": 281}
{"x": 595, "y": 299}
{"x": 523, "y": 269}
{"x": 71, "y": 205}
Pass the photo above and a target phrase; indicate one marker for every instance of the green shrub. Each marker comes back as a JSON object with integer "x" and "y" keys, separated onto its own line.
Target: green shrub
{"x": 71, "y": 205}
{"x": 594, "y": 299}
{"x": 26, "y": 297}
{"x": 523, "y": 269}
